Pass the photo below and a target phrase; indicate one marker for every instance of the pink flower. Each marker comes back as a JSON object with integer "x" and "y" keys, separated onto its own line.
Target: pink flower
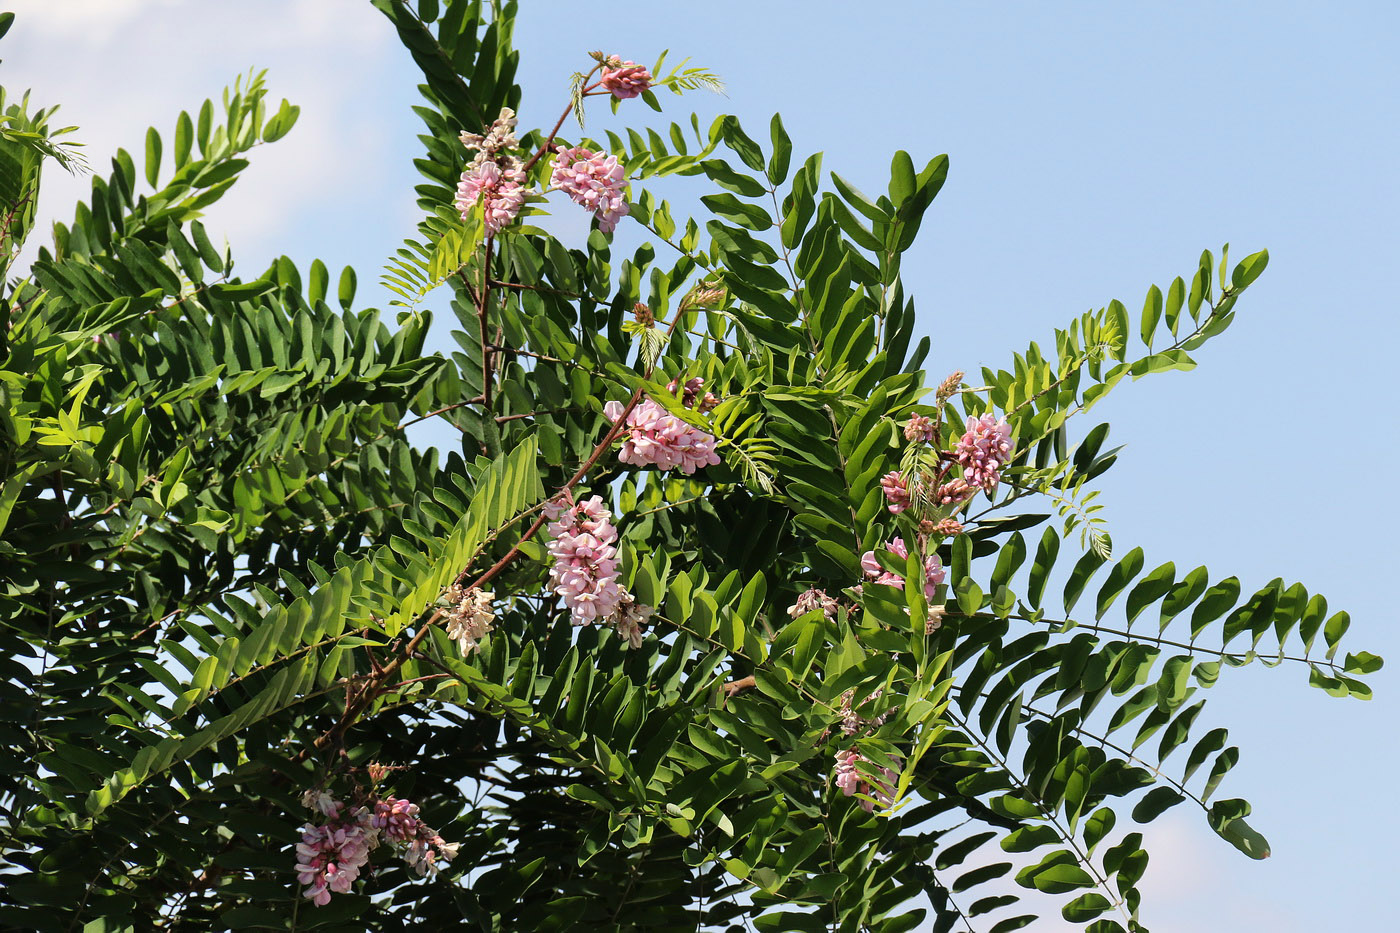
{"x": 954, "y": 491}
{"x": 593, "y": 180}
{"x": 919, "y": 429}
{"x": 503, "y": 190}
{"x": 330, "y": 856}
{"x": 624, "y": 79}
{"x": 656, "y": 437}
{"x": 934, "y": 573}
{"x": 850, "y": 782}
{"x": 896, "y": 492}
{"x": 984, "y": 450}
{"x": 584, "y": 573}
{"x": 397, "y": 819}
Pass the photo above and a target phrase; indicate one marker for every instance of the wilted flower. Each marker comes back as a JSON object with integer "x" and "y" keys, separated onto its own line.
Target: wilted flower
{"x": 500, "y": 135}
{"x": 470, "y": 618}
{"x": 852, "y": 721}
{"x": 813, "y": 599}
{"x": 934, "y": 621}
{"x": 630, "y": 620}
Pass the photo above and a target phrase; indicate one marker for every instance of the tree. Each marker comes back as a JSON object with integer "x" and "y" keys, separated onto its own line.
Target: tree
{"x": 237, "y": 600}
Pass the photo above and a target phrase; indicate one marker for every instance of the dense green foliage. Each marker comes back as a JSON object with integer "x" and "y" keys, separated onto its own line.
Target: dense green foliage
{"x": 215, "y": 537}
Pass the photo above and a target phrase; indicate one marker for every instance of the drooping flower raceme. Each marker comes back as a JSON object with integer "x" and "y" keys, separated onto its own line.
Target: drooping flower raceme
{"x": 849, "y": 780}
{"x": 503, "y": 190}
{"x": 896, "y": 491}
{"x": 593, "y": 180}
{"x": 919, "y": 429}
{"x": 584, "y": 573}
{"x": 470, "y": 617}
{"x": 397, "y": 820}
{"x": 493, "y": 176}
{"x": 984, "y": 450}
{"x": 933, "y": 568}
{"x": 330, "y": 856}
{"x": 624, "y": 80}
{"x": 655, "y": 437}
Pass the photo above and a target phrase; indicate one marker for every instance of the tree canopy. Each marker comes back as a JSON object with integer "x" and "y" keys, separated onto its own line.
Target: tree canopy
{"x": 724, "y": 614}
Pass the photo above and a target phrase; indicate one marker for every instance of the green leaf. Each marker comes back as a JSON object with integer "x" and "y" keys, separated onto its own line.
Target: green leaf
{"x": 1249, "y": 269}
{"x": 1086, "y": 907}
{"x": 1156, "y": 802}
{"x": 903, "y": 180}
{"x": 779, "y": 161}
{"x": 1227, "y": 818}
{"x": 732, "y": 209}
{"x": 735, "y": 138}
{"x": 153, "y": 148}
{"x": 721, "y": 174}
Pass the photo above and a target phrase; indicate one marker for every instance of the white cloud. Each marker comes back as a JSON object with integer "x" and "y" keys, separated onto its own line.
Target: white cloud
{"x": 91, "y": 23}
{"x": 117, "y": 66}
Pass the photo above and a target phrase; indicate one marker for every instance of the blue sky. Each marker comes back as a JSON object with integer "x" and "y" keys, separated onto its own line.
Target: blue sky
{"x": 1095, "y": 149}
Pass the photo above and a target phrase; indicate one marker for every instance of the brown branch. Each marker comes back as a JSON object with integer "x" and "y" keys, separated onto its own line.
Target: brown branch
{"x": 376, "y": 683}
{"x": 738, "y": 686}
{"x": 568, "y": 109}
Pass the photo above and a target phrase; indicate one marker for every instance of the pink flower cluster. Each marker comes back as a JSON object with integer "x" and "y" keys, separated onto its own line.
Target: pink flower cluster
{"x": 593, "y": 180}
{"x": 655, "y": 436}
{"x": 493, "y": 175}
{"x": 933, "y": 568}
{"x": 849, "y": 780}
{"x": 919, "y": 429}
{"x": 984, "y": 450}
{"x": 504, "y": 191}
{"x": 953, "y": 492}
{"x": 896, "y": 491}
{"x": 398, "y": 821}
{"x": 585, "y": 561}
{"x": 330, "y": 856}
{"x": 624, "y": 80}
